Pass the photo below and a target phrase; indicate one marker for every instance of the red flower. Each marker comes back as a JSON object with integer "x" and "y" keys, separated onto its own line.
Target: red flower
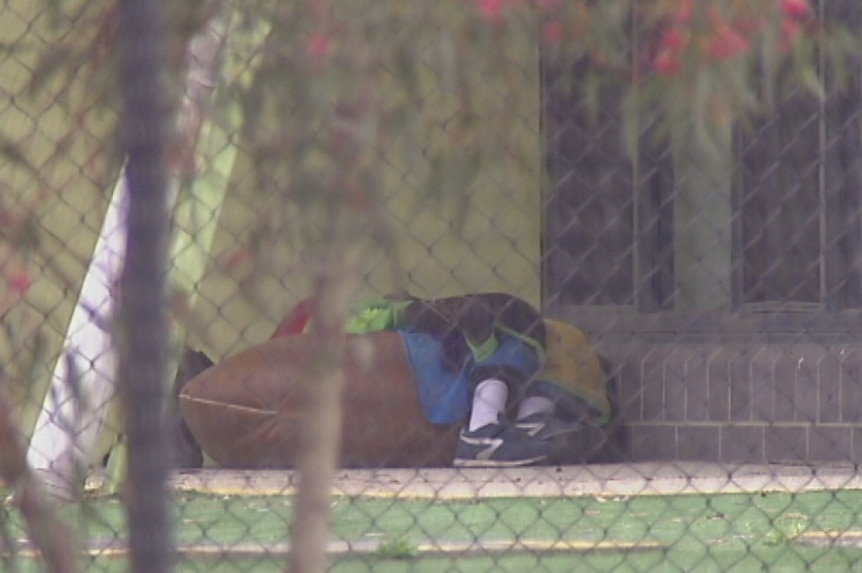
{"x": 666, "y": 63}
{"x": 789, "y": 32}
{"x": 683, "y": 12}
{"x": 728, "y": 41}
{"x": 491, "y": 10}
{"x": 552, "y": 33}
{"x": 19, "y": 281}
{"x": 318, "y": 45}
{"x": 795, "y": 8}
{"x": 670, "y": 47}
{"x": 672, "y": 39}
{"x": 236, "y": 258}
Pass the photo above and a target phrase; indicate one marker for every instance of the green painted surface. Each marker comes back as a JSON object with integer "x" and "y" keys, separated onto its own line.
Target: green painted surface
{"x": 731, "y": 532}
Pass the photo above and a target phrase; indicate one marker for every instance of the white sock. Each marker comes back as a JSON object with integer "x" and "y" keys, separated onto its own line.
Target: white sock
{"x": 489, "y": 401}
{"x": 534, "y": 405}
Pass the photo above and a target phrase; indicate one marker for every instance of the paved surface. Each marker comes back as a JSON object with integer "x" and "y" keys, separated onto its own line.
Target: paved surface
{"x": 600, "y": 481}
{"x": 595, "y": 480}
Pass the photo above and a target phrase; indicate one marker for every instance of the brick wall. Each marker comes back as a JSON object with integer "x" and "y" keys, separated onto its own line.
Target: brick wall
{"x": 746, "y": 403}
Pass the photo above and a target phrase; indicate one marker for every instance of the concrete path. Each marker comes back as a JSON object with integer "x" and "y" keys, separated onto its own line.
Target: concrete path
{"x": 607, "y": 481}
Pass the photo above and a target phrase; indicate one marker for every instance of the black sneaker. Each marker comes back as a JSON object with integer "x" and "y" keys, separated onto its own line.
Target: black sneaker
{"x": 545, "y": 425}
{"x": 499, "y": 445}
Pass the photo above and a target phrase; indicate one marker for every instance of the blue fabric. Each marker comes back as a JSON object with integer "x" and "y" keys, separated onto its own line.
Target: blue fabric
{"x": 444, "y": 389}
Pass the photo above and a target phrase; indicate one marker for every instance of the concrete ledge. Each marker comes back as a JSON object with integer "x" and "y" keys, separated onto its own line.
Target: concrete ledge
{"x": 611, "y": 480}
{"x": 116, "y": 548}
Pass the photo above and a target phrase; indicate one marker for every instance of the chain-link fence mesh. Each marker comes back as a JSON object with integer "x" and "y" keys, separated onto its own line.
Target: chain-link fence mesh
{"x": 582, "y": 334}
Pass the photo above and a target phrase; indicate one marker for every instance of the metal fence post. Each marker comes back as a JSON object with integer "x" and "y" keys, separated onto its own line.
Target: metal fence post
{"x": 142, "y": 332}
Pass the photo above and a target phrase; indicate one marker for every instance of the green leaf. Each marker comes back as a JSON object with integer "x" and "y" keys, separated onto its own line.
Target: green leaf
{"x": 812, "y": 82}
{"x": 398, "y": 548}
{"x": 404, "y": 70}
{"x": 631, "y": 122}
{"x": 11, "y": 151}
{"x": 446, "y": 61}
{"x": 56, "y": 61}
{"x": 592, "y": 90}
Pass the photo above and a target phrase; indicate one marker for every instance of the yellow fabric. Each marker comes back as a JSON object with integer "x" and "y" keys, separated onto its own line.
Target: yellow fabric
{"x": 572, "y": 363}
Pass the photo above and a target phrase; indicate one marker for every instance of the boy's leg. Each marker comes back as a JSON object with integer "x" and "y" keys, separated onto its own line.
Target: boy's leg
{"x": 489, "y": 403}
{"x": 496, "y": 443}
{"x": 535, "y": 405}
{"x": 548, "y": 411}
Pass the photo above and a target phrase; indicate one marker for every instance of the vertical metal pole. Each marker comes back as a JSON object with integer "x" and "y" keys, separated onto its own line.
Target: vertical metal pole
{"x": 142, "y": 337}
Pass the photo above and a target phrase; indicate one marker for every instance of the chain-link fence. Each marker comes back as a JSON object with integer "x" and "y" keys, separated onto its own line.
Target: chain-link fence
{"x": 557, "y": 309}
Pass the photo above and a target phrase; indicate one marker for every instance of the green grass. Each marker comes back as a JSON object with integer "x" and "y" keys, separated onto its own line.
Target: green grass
{"x": 733, "y": 532}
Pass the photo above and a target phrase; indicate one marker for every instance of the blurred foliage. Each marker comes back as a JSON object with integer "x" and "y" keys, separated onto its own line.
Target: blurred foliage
{"x": 329, "y": 90}
{"x": 710, "y": 65}
{"x": 339, "y": 83}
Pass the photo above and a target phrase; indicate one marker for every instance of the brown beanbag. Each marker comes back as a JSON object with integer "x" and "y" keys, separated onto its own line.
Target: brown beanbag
{"x": 245, "y": 411}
